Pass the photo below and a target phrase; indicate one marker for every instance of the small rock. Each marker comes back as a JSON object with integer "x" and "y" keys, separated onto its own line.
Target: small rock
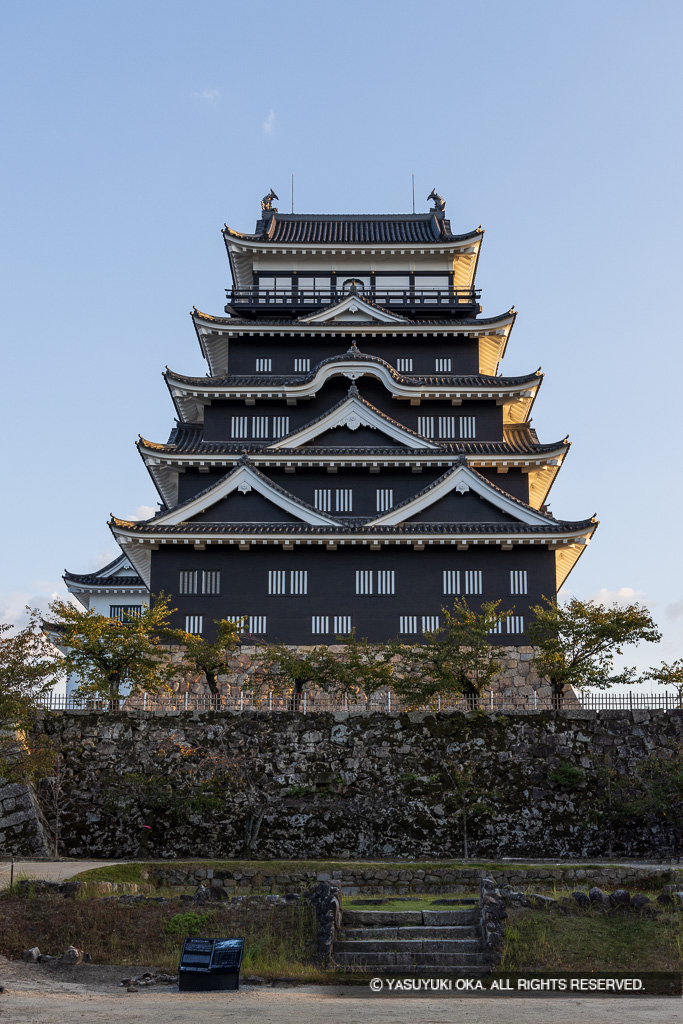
{"x": 620, "y": 897}
{"x": 73, "y": 956}
{"x": 44, "y": 958}
{"x": 581, "y": 899}
{"x": 2, "y": 988}
{"x": 254, "y": 979}
{"x": 640, "y": 901}
{"x": 666, "y": 898}
{"x": 31, "y": 956}
{"x": 598, "y": 897}
{"x": 132, "y": 988}
{"x": 127, "y": 981}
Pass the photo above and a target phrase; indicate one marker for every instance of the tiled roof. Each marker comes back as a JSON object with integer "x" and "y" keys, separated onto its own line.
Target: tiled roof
{"x": 354, "y": 354}
{"x": 285, "y": 322}
{"x": 104, "y": 581}
{"x": 341, "y": 229}
{"x": 256, "y": 529}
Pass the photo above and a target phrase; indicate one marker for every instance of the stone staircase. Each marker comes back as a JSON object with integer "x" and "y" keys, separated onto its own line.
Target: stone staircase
{"x": 413, "y": 941}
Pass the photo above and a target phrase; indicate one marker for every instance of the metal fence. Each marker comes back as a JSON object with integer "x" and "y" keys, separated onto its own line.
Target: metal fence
{"x": 305, "y": 703}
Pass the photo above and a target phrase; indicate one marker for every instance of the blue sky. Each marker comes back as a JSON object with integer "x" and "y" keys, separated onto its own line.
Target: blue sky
{"x": 133, "y": 131}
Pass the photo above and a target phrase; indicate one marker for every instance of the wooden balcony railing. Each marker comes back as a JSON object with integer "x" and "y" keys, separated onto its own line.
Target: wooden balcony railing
{"x": 303, "y": 298}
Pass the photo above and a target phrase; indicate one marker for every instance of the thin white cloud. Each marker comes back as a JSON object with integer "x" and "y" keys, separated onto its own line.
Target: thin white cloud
{"x": 269, "y": 123}
{"x": 141, "y": 512}
{"x": 675, "y": 610}
{"x": 13, "y": 605}
{"x": 209, "y": 96}
{"x": 625, "y": 595}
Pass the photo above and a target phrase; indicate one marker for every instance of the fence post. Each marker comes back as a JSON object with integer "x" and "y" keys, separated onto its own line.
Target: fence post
{"x": 439, "y": 699}
{"x": 491, "y": 696}
{"x": 535, "y": 700}
{"x": 305, "y": 695}
{"x": 144, "y": 701}
{"x": 186, "y": 696}
{"x": 241, "y": 699}
{"x": 270, "y": 700}
{"x": 630, "y": 698}
{"x": 388, "y": 700}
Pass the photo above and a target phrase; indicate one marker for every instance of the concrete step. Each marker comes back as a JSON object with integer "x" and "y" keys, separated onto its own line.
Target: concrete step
{"x": 406, "y": 960}
{"x": 407, "y": 918}
{"x": 409, "y": 946}
{"x": 412, "y": 932}
{"x": 470, "y": 970}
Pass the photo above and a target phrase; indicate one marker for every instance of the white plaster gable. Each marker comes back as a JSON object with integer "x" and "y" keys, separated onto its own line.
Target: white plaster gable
{"x": 353, "y": 309}
{"x": 353, "y": 413}
{"x": 462, "y": 480}
{"x": 242, "y": 480}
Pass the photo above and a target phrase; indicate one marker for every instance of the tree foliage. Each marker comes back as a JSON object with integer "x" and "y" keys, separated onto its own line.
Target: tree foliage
{"x": 668, "y": 675}
{"x": 107, "y": 655}
{"x": 28, "y": 670}
{"x": 456, "y": 658}
{"x": 208, "y": 657}
{"x": 578, "y": 641}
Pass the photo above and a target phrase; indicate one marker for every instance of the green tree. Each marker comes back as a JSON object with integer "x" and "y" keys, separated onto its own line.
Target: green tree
{"x": 289, "y": 672}
{"x": 107, "y": 655}
{"x": 28, "y": 670}
{"x": 363, "y": 667}
{"x": 205, "y": 656}
{"x": 456, "y": 658}
{"x": 577, "y": 642}
{"x": 669, "y": 675}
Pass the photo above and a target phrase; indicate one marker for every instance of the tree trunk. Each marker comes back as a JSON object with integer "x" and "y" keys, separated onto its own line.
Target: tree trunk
{"x": 211, "y": 681}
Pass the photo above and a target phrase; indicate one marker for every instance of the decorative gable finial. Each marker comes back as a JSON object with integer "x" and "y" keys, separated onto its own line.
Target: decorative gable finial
{"x": 267, "y": 202}
{"x": 439, "y": 201}
{"x": 353, "y": 349}
{"x": 353, "y": 392}
{"x": 244, "y": 458}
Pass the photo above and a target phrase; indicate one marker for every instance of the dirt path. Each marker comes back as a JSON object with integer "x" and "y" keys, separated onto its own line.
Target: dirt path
{"x": 51, "y": 870}
{"x": 90, "y": 994}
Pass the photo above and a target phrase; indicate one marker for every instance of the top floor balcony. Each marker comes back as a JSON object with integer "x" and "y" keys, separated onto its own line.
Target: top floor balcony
{"x": 413, "y": 301}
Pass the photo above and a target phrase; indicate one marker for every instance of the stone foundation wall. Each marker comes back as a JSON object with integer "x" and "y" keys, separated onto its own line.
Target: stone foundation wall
{"x": 22, "y": 828}
{"x": 261, "y": 786}
{"x": 518, "y": 674}
{"x": 359, "y": 879}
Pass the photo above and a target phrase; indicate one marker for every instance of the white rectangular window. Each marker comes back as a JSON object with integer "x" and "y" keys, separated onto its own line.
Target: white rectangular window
{"x": 211, "y": 581}
{"x": 257, "y": 625}
{"x": 194, "y": 624}
{"x": 451, "y": 581}
{"x": 385, "y": 499}
{"x": 407, "y": 624}
{"x": 425, "y": 426}
{"x": 404, "y": 365}
{"x": 386, "y": 581}
{"x": 280, "y": 426}
{"x": 259, "y": 427}
{"x": 125, "y": 612}
{"x": 473, "y": 581}
{"x": 468, "y": 427}
{"x": 276, "y": 581}
{"x": 518, "y": 581}
{"x": 430, "y": 623}
{"x": 322, "y": 500}
{"x": 443, "y": 365}
{"x": 343, "y": 500}
{"x": 320, "y": 624}
{"x": 239, "y": 620}
{"x": 302, "y": 365}
{"x": 446, "y": 426}
{"x": 298, "y": 581}
{"x": 238, "y": 427}
{"x": 342, "y": 625}
{"x": 363, "y": 581}
{"x": 264, "y": 365}
{"x": 498, "y": 628}
{"x": 188, "y": 581}
{"x": 514, "y": 624}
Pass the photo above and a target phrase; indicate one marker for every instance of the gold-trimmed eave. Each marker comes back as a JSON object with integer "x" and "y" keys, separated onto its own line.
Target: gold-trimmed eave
{"x": 243, "y": 251}
{"x": 164, "y": 466}
{"x": 190, "y": 399}
{"x": 568, "y": 546}
{"x": 214, "y": 334}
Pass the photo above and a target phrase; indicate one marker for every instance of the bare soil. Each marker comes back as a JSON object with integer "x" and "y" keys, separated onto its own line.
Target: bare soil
{"x": 90, "y": 993}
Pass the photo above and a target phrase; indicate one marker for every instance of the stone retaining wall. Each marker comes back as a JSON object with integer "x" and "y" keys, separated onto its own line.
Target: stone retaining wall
{"x": 518, "y": 675}
{"x": 259, "y": 786}
{"x": 22, "y": 828}
{"x": 358, "y": 879}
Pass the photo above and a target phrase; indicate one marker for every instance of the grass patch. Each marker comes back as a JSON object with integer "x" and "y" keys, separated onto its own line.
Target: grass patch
{"x": 280, "y": 941}
{"x": 419, "y": 902}
{"x": 536, "y": 940}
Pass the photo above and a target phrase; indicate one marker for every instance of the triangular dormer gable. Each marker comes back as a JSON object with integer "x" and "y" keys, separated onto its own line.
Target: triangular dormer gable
{"x": 353, "y": 309}
{"x": 244, "y": 479}
{"x": 354, "y": 412}
{"x": 461, "y": 479}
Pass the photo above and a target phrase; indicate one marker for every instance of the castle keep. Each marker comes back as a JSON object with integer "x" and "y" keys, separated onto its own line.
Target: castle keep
{"x": 353, "y": 458}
